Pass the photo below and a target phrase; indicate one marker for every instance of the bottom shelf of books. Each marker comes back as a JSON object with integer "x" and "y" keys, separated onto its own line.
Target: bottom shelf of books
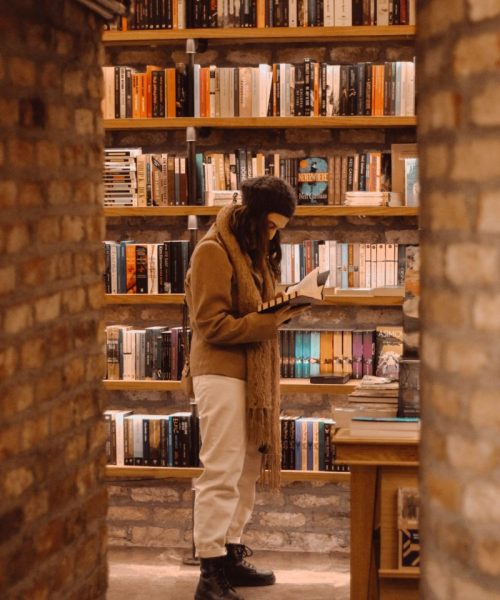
{"x": 114, "y": 472}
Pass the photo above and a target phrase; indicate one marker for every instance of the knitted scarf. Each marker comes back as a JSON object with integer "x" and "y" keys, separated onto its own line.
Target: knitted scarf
{"x": 262, "y": 358}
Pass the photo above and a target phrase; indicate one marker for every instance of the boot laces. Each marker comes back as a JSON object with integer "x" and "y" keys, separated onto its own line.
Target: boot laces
{"x": 243, "y": 552}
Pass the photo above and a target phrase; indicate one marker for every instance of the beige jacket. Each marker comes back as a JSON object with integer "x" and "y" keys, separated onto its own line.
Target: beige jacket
{"x": 219, "y": 332}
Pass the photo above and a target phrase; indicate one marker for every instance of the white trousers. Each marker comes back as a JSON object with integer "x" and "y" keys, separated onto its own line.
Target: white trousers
{"x": 225, "y": 492}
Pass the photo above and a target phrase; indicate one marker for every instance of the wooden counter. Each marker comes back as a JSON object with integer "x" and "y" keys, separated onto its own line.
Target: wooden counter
{"x": 379, "y": 466}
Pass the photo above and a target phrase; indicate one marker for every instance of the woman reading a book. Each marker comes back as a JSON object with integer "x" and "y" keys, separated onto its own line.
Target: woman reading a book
{"x": 234, "y": 362}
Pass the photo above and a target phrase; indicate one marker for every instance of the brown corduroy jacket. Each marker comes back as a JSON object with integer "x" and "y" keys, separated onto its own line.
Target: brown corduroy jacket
{"x": 219, "y": 333}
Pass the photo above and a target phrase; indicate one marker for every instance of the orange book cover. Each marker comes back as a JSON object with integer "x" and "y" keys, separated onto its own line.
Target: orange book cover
{"x": 261, "y": 13}
{"x": 130, "y": 269}
{"x": 326, "y": 352}
{"x": 379, "y": 90}
{"x": 175, "y": 14}
{"x": 142, "y": 95}
{"x": 136, "y": 109}
{"x": 316, "y": 90}
{"x": 203, "y": 107}
{"x": 170, "y": 91}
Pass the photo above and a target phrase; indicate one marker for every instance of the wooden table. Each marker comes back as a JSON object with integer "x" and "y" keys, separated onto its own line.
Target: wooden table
{"x": 379, "y": 466}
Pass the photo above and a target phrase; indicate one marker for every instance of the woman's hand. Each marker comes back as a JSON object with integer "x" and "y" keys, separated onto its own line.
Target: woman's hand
{"x": 289, "y": 312}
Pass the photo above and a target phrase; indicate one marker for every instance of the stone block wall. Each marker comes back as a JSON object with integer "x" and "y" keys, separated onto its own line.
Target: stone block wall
{"x": 310, "y": 517}
{"x": 459, "y": 132}
{"x": 52, "y": 497}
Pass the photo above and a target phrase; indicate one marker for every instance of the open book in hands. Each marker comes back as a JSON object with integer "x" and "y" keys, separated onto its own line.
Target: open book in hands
{"x": 307, "y": 291}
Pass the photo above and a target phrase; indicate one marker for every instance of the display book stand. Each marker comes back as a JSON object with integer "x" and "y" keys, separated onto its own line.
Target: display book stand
{"x": 196, "y": 40}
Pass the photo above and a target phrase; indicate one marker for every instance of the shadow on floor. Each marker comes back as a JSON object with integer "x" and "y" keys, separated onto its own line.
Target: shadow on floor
{"x": 154, "y": 574}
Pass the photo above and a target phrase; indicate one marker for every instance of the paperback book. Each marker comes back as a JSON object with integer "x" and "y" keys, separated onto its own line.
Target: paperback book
{"x": 308, "y": 291}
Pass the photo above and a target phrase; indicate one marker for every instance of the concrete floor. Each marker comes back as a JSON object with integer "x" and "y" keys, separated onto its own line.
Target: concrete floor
{"x": 154, "y": 574}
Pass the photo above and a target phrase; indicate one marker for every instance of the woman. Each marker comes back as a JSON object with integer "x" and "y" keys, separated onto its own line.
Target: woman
{"x": 234, "y": 361}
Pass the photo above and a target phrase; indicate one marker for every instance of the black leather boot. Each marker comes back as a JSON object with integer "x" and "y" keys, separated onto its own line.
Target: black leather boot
{"x": 213, "y": 584}
{"x": 240, "y": 572}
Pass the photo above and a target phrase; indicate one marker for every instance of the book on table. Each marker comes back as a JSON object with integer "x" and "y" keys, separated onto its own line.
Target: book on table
{"x": 308, "y": 291}
{"x": 399, "y": 427}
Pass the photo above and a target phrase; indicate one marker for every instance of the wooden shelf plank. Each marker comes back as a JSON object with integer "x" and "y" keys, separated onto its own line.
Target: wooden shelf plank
{"x": 301, "y": 211}
{"x": 262, "y": 122}
{"x": 288, "y": 386}
{"x": 169, "y": 299}
{"x": 399, "y": 573}
{"x": 253, "y": 34}
{"x": 144, "y": 298}
{"x": 190, "y": 472}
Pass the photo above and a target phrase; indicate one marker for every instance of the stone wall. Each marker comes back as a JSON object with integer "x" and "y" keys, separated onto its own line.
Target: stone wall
{"x": 459, "y": 131}
{"x": 52, "y": 497}
{"x": 304, "y": 516}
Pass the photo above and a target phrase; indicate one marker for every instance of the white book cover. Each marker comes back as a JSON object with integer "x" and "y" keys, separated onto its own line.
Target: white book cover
{"x": 292, "y": 13}
{"x": 264, "y": 72}
{"x": 113, "y": 254}
{"x": 390, "y": 259}
{"x": 374, "y": 282}
{"x": 332, "y": 252}
{"x": 152, "y": 268}
{"x": 362, "y": 265}
{"x": 212, "y": 89}
{"x": 128, "y": 354}
{"x": 343, "y": 13}
{"x": 410, "y": 97}
{"x": 138, "y": 438}
{"x": 181, "y": 13}
{"x": 368, "y": 265}
{"x": 383, "y": 12}
{"x": 329, "y": 13}
{"x": 381, "y": 265}
{"x": 123, "y": 93}
{"x": 196, "y": 89}
{"x": 283, "y": 90}
{"x": 108, "y": 103}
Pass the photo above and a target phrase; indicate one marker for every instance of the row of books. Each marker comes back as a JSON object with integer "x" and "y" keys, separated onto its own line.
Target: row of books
{"x": 281, "y": 89}
{"x": 154, "y": 353}
{"x": 132, "y": 178}
{"x": 317, "y": 179}
{"x": 353, "y": 353}
{"x": 140, "y": 268}
{"x": 180, "y": 14}
{"x": 174, "y": 441}
{"x": 351, "y": 265}
{"x": 157, "y": 92}
{"x": 151, "y": 440}
{"x": 307, "y": 89}
{"x": 307, "y": 444}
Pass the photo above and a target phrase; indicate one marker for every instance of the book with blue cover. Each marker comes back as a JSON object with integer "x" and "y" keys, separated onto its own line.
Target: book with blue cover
{"x": 312, "y": 181}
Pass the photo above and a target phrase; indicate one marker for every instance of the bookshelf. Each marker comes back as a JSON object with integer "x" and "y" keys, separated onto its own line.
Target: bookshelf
{"x": 287, "y": 386}
{"x": 276, "y": 35}
{"x": 262, "y": 123}
{"x": 179, "y": 299}
{"x": 301, "y": 211}
{"x": 113, "y": 472}
{"x": 332, "y": 128}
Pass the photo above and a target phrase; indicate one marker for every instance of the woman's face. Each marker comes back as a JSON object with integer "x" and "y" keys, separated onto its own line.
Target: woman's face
{"x": 275, "y": 221}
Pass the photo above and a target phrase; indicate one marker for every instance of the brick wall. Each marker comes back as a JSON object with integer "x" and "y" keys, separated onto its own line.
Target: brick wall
{"x": 52, "y": 498}
{"x": 304, "y": 516}
{"x": 459, "y": 130}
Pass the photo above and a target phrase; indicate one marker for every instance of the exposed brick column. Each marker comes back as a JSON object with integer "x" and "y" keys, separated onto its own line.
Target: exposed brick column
{"x": 52, "y": 497}
{"x": 459, "y": 131}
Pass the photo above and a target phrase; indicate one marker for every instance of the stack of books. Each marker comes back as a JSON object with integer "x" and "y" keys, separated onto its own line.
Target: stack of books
{"x": 390, "y": 427}
{"x": 366, "y": 198}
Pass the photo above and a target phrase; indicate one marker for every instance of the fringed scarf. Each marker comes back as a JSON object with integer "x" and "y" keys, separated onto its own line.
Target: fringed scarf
{"x": 262, "y": 358}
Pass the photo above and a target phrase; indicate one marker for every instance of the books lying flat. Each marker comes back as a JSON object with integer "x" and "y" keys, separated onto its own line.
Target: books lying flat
{"x": 378, "y": 291}
{"x": 338, "y": 378}
{"x": 385, "y": 426}
{"x": 308, "y": 291}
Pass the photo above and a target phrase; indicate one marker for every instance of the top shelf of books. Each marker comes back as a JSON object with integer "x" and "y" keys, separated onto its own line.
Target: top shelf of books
{"x": 252, "y": 34}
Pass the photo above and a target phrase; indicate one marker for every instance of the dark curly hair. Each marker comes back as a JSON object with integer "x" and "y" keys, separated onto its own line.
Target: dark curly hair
{"x": 261, "y": 196}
